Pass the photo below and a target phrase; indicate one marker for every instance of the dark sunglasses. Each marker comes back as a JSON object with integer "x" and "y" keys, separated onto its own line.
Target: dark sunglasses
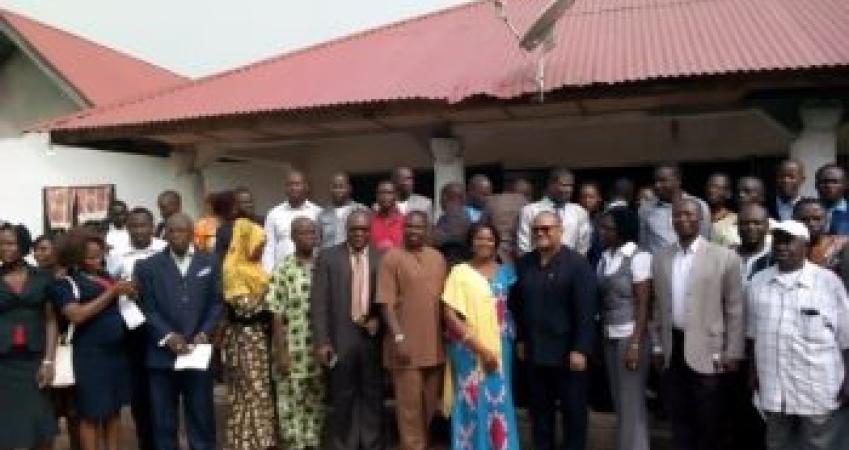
{"x": 543, "y": 228}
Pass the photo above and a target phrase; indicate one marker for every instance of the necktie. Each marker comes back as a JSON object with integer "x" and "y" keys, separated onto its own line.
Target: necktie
{"x": 358, "y": 310}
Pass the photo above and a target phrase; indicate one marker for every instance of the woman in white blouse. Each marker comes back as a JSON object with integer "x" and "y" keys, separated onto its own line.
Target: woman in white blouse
{"x": 624, "y": 280}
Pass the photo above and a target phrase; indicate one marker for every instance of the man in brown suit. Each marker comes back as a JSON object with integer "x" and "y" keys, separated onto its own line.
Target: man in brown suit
{"x": 698, "y": 329}
{"x": 345, "y": 321}
{"x": 409, "y": 286}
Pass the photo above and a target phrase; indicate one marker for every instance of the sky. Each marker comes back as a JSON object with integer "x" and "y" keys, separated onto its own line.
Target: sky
{"x": 199, "y": 37}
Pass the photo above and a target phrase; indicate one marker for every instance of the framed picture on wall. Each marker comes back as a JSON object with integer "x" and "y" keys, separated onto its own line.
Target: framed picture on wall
{"x": 68, "y": 206}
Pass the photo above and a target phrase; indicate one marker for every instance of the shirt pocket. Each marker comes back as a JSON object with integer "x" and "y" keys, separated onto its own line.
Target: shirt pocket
{"x": 815, "y": 329}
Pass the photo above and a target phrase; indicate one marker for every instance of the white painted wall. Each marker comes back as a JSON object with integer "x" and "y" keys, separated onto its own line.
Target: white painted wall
{"x": 27, "y": 96}
{"x": 33, "y": 164}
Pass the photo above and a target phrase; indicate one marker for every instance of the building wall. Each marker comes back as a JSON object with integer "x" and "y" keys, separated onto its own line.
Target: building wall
{"x": 263, "y": 178}
{"x": 33, "y": 164}
{"x": 28, "y": 96}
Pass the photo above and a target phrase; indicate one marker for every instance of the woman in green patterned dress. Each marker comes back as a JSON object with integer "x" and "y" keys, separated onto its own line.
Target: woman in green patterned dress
{"x": 300, "y": 388}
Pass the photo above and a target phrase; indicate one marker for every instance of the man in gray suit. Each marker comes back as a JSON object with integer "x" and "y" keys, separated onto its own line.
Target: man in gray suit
{"x": 405, "y": 183}
{"x": 698, "y": 329}
{"x": 345, "y": 324}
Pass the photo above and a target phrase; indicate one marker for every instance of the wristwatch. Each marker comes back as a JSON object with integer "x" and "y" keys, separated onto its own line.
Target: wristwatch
{"x": 399, "y": 337}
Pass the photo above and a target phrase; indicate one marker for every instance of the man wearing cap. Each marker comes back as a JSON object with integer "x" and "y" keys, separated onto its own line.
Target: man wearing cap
{"x": 798, "y": 332}
{"x": 698, "y": 329}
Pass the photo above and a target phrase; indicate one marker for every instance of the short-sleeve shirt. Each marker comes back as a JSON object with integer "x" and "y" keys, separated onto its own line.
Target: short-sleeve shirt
{"x": 411, "y": 283}
{"x": 106, "y": 329}
{"x": 799, "y": 322}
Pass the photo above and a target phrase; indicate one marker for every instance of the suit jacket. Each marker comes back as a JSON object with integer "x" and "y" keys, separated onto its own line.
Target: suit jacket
{"x": 174, "y": 304}
{"x": 715, "y": 305}
{"x": 330, "y": 299}
{"x": 554, "y": 307}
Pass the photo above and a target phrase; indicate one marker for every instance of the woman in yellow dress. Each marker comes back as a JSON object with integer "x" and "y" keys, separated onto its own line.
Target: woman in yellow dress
{"x": 250, "y": 423}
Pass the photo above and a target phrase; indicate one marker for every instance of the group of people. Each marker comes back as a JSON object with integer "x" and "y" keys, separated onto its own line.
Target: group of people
{"x": 737, "y": 302}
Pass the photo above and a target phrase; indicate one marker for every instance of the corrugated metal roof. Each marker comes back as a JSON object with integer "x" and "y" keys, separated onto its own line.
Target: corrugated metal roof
{"x": 464, "y": 51}
{"x": 99, "y": 74}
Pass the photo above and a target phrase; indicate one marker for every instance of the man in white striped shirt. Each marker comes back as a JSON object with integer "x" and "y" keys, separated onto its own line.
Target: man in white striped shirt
{"x": 798, "y": 327}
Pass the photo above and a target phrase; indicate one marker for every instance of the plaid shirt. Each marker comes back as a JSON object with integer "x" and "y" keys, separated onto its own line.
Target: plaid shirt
{"x": 800, "y": 324}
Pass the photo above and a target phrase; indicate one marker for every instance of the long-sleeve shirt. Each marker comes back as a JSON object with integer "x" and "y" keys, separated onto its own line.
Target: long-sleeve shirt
{"x": 577, "y": 229}
{"x": 656, "y": 230}
{"x": 278, "y": 231}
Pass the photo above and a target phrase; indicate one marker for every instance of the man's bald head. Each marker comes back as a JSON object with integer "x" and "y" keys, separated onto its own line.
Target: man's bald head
{"x": 179, "y": 231}
{"x": 358, "y": 227}
{"x": 546, "y": 231}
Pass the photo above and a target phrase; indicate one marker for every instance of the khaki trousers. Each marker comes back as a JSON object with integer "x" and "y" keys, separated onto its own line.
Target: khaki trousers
{"x": 417, "y": 396}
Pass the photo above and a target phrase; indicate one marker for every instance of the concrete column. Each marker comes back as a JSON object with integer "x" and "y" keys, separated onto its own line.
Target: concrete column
{"x": 448, "y": 166}
{"x": 817, "y": 142}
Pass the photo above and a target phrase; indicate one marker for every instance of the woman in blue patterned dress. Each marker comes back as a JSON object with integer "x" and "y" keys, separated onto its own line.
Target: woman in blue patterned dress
{"x": 480, "y": 348}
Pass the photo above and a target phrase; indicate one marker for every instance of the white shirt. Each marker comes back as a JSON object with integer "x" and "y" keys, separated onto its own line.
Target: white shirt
{"x": 184, "y": 262}
{"x": 577, "y": 229}
{"x": 117, "y": 240}
{"x": 125, "y": 258}
{"x": 278, "y": 231}
{"x": 682, "y": 264}
{"x": 640, "y": 271}
{"x": 800, "y": 324}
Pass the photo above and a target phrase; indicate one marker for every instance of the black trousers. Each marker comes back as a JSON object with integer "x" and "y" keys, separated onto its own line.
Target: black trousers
{"x": 192, "y": 388}
{"x": 356, "y": 385}
{"x": 748, "y": 429}
{"x": 695, "y": 403}
{"x": 140, "y": 395}
{"x": 548, "y": 386}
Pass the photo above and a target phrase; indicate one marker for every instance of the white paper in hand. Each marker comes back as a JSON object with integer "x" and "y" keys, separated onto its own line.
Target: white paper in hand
{"x": 197, "y": 359}
{"x": 131, "y": 313}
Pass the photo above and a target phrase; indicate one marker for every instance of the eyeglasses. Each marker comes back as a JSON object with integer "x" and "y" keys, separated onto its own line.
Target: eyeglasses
{"x": 543, "y": 229}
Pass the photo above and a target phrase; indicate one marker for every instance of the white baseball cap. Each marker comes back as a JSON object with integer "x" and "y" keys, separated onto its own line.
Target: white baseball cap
{"x": 793, "y": 228}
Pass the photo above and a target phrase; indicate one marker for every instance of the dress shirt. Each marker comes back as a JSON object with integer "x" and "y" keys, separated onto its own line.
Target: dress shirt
{"x": 681, "y": 265}
{"x": 125, "y": 258}
{"x": 610, "y": 262}
{"x": 577, "y": 229}
{"x": 841, "y": 206}
{"x": 473, "y": 213}
{"x": 656, "y": 230}
{"x": 117, "y": 240}
{"x": 332, "y": 223}
{"x": 359, "y": 284}
{"x": 799, "y": 322}
{"x": 784, "y": 210}
{"x": 278, "y": 231}
{"x": 183, "y": 262}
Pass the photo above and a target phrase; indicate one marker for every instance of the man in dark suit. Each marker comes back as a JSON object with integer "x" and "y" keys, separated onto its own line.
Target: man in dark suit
{"x": 345, "y": 323}
{"x": 554, "y": 304}
{"x": 182, "y": 300}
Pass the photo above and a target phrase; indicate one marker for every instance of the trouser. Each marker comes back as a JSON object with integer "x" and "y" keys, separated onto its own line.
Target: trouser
{"x": 788, "y": 432}
{"x": 695, "y": 403}
{"x": 747, "y": 426}
{"x": 547, "y": 386}
{"x": 417, "y": 393}
{"x": 356, "y": 384}
{"x": 140, "y": 396}
{"x": 195, "y": 388}
{"x": 628, "y": 388}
